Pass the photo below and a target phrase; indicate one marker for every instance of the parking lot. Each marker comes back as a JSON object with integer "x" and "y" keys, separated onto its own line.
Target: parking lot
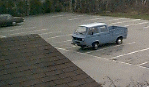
{"x": 127, "y": 61}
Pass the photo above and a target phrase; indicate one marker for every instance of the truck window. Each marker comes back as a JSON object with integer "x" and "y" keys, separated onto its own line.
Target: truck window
{"x": 92, "y": 31}
{"x": 81, "y": 30}
{"x": 103, "y": 29}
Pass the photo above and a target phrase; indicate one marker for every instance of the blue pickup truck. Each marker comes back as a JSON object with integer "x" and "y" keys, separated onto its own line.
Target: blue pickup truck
{"x": 94, "y": 34}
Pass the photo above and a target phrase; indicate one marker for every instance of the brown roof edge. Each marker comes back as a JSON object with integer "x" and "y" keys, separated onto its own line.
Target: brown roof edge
{"x": 31, "y": 61}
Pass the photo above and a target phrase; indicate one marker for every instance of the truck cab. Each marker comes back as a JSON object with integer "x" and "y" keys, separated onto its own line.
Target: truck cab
{"x": 94, "y": 34}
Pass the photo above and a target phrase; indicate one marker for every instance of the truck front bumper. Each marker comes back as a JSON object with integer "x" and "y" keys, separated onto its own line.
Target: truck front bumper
{"x": 78, "y": 43}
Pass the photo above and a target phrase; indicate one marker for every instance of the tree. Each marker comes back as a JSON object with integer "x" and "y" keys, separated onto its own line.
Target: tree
{"x": 47, "y": 6}
{"x": 35, "y": 7}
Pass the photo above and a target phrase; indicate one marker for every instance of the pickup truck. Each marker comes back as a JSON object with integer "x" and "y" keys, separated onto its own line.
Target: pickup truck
{"x": 7, "y": 19}
{"x": 95, "y": 34}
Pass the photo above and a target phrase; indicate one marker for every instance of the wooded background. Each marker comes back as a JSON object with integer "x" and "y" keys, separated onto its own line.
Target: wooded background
{"x": 33, "y": 7}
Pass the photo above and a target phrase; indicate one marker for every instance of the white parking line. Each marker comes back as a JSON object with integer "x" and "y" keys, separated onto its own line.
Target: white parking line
{"x": 111, "y": 46}
{"x": 136, "y": 24}
{"x": 33, "y": 31}
{"x": 118, "y": 22}
{"x": 1, "y": 36}
{"x": 59, "y": 36}
{"x": 146, "y": 27}
{"x": 80, "y": 15}
{"x": 143, "y": 23}
{"x": 103, "y": 18}
{"x": 117, "y": 19}
{"x": 130, "y": 53}
{"x": 105, "y": 58}
{"x": 95, "y": 18}
{"x": 64, "y": 41}
{"x": 19, "y": 29}
{"x": 39, "y": 30}
{"x": 143, "y": 63}
{"x": 73, "y": 19}
{"x": 126, "y": 21}
{"x": 81, "y": 53}
{"x": 49, "y": 33}
{"x": 61, "y": 49}
{"x": 126, "y": 25}
{"x": 17, "y": 33}
{"x": 57, "y": 16}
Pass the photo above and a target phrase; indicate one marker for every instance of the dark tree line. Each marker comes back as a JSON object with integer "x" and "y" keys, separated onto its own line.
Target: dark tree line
{"x": 32, "y": 7}
{"x": 99, "y": 6}
{"x": 29, "y": 7}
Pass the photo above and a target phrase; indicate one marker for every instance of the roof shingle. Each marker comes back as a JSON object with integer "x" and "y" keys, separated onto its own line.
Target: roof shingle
{"x": 31, "y": 61}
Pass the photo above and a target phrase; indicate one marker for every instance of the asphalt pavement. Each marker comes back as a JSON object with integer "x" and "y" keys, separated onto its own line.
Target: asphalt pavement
{"x": 121, "y": 65}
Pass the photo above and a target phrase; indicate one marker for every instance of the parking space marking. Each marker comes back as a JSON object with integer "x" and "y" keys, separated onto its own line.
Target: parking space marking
{"x": 104, "y": 58}
{"x": 80, "y": 15}
{"x": 146, "y": 27}
{"x": 59, "y": 36}
{"x": 96, "y": 50}
{"x": 130, "y": 53}
{"x": 122, "y": 22}
{"x": 73, "y": 19}
{"x": 73, "y": 46}
{"x": 33, "y": 31}
{"x": 95, "y": 18}
{"x": 57, "y": 16}
{"x": 64, "y": 41}
{"x": 1, "y": 36}
{"x": 126, "y": 25}
{"x": 17, "y": 33}
{"x": 118, "y": 22}
{"x": 49, "y": 33}
{"x": 23, "y": 28}
{"x": 127, "y": 21}
{"x": 143, "y": 23}
{"x": 112, "y": 46}
{"x": 136, "y": 24}
{"x": 117, "y": 19}
{"x": 103, "y": 18}
{"x": 19, "y": 29}
{"x": 39, "y": 30}
{"x": 61, "y": 48}
{"x": 81, "y": 53}
{"x": 143, "y": 63}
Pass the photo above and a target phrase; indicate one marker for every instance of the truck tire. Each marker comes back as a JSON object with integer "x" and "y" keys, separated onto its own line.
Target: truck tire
{"x": 95, "y": 45}
{"x": 119, "y": 40}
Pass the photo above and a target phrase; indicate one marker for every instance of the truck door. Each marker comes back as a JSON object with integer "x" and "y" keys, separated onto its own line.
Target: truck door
{"x": 105, "y": 36}
{"x": 92, "y": 35}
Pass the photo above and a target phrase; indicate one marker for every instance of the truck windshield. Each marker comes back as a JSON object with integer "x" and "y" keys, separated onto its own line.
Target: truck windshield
{"x": 81, "y": 30}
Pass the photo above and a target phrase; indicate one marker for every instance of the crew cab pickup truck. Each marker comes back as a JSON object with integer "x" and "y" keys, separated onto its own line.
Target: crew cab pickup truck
{"x": 7, "y": 19}
{"x": 95, "y": 34}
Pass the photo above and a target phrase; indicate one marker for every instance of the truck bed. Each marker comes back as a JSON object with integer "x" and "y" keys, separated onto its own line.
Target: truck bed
{"x": 116, "y": 27}
{"x": 118, "y": 31}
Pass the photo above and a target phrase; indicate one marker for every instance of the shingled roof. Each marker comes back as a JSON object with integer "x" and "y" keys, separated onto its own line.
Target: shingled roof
{"x": 31, "y": 61}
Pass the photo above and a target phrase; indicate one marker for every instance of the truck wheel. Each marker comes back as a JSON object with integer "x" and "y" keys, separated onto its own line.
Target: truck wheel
{"x": 119, "y": 40}
{"x": 95, "y": 45}
{"x": 14, "y": 23}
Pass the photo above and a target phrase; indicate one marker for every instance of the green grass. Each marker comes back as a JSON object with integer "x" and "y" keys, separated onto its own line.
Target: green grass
{"x": 127, "y": 15}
